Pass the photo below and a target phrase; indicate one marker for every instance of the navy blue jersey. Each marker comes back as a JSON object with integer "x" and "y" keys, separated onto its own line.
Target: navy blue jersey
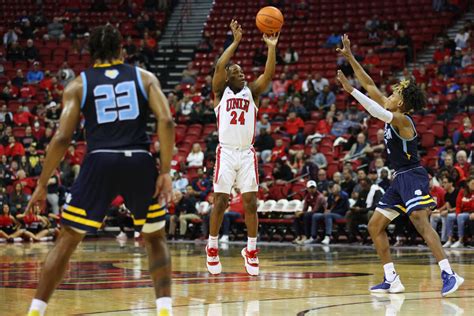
{"x": 402, "y": 153}
{"x": 115, "y": 108}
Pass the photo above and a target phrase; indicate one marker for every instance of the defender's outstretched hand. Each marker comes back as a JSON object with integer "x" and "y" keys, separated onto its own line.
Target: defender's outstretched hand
{"x": 236, "y": 30}
{"x": 344, "y": 82}
{"x": 271, "y": 40}
{"x": 346, "y": 50}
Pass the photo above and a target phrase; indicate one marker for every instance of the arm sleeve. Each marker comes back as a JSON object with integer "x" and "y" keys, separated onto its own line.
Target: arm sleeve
{"x": 375, "y": 109}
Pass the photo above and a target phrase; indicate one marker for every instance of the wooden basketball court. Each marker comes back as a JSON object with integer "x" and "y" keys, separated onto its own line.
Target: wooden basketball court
{"x": 108, "y": 279}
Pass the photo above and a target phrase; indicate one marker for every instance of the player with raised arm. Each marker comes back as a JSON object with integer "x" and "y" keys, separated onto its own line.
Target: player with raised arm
{"x": 236, "y": 160}
{"x": 115, "y": 100}
{"x": 409, "y": 191}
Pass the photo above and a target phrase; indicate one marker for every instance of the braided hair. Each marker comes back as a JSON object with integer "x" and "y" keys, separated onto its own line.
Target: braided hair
{"x": 105, "y": 42}
{"x": 414, "y": 99}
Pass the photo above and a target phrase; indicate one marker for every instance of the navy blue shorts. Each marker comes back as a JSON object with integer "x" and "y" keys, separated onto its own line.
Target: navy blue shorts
{"x": 103, "y": 176}
{"x": 408, "y": 192}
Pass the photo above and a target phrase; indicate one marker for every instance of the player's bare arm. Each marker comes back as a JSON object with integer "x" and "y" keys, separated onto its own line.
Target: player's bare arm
{"x": 262, "y": 82}
{"x": 68, "y": 122}
{"x": 397, "y": 119}
{"x": 360, "y": 73}
{"x": 219, "y": 78}
{"x": 160, "y": 107}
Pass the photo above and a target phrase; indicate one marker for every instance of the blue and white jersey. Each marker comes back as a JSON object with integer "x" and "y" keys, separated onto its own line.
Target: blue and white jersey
{"x": 402, "y": 153}
{"x": 115, "y": 107}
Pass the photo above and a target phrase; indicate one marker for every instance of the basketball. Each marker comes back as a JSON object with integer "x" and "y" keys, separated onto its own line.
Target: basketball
{"x": 269, "y": 20}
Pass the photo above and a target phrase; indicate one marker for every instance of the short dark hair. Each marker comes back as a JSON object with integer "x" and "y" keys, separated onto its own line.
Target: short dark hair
{"x": 414, "y": 99}
{"x": 449, "y": 179}
{"x": 105, "y": 42}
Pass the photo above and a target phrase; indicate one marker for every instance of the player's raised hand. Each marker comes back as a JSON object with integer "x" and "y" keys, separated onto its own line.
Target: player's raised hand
{"x": 346, "y": 47}
{"x": 344, "y": 82}
{"x": 164, "y": 189}
{"x": 236, "y": 30}
{"x": 271, "y": 40}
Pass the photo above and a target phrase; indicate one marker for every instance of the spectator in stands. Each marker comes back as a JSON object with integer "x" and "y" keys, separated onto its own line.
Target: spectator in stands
{"x": 180, "y": 183}
{"x": 202, "y": 185}
{"x": 14, "y": 52}
{"x": 281, "y": 171}
{"x": 292, "y": 124}
{"x": 14, "y": 149}
{"x": 297, "y": 162}
{"x": 53, "y": 113}
{"x": 186, "y": 106}
{"x": 337, "y": 207}
{"x": 440, "y": 53}
{"x": 309, "y": 82}
{"x": 457, "y": 59}
{"x": 55, "y": 29}
{"x": 462, "y": 38}
{"x": 9, "y": 37}
{"x": 404, "y": 43}
{"x": 35, "y": 75}
{"x": 320, "y": 82}
{"x": 9, "y": 92}
{"x": 196, "y": 156}
{"x": 78, "y": 28}
{"x": 9, "y": 226}
{"x": 466, "y": 58}
{"x": 333, "y": 40}
{"x": 325, "y": 99}
{"x": 280, "y": 86}
{"x": 46, "y": 138}
{"x": 462, "y": 163}
{"x": 19, "y": 80}
{"x": 389, "y": 43}
{"x": 465, "y": 131}
{"x": 358, "y": 149}
{"x": 189, "y": 74}
{"x": 314, "y": 202}
{"x": 372, "y": 23}
{"x": 291, "y": 56}
{"x": 18, "y": 199}
{"x": 31, "y": 53}
{"x": 263, "y": 123}
{"x": 323, "y": 182}
{"x": 348, "y": 183}
{"x": 296, "y": 85}
{"x": 447, "y": 212}
{"x": 298, "y": 107}
{"x": 185, "y": 210}
{"x": 28, "y": 139}
{"x": 342, "y": 125}
{"x": 318, "y": 158}
{"x": 357, "y": 213}
{"x": 264, "y": 143}
{"x": 464, "y": 211}
{"x": 206, "y": 45}
{"x": 234, "y": 212}
{"x": 371, "y": 59}
{"x": 446, "y": 68}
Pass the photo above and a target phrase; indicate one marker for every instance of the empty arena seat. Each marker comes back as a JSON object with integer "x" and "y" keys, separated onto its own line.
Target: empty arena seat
{"x": 280, "y": 206}
{"x": 294, "y": 206}
{"x": 267, "y": 206}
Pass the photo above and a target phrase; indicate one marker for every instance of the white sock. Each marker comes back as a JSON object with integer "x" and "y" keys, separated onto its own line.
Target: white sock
{"x": 46, "y": 238}
{"x": 252, "y": 243}
{"x": 445, "y": 266}
{"x": 163, "y": 303}
{"x": 17, "y": 239}
{"x": 212, "y": 243}
{"x": 38, "y": 305}
{"x": 3, "y": 240}
{"x": 389, "y": 270}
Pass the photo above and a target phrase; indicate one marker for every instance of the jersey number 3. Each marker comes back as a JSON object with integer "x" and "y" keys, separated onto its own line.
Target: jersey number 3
{"x": 241, "y": 120}
{"x": 119, "y": 103}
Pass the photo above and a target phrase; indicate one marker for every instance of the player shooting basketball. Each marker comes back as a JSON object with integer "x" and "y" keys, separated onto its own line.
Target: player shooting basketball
{"x": 236, "y": 161}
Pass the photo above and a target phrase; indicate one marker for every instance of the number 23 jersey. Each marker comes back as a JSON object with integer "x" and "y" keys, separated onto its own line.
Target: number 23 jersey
{"x": 115, "y": 107}
{"x": 236, "y": 118}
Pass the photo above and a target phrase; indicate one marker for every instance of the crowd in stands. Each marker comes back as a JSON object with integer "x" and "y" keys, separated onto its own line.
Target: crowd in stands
{"x": 318, "y": 151}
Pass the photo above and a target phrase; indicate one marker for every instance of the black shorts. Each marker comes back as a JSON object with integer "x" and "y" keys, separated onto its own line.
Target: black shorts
{"x": 8, "y": 230}
{"x": 104, "y": 175}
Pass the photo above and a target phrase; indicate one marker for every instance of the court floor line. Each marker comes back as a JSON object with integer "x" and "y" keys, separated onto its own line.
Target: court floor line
{"x": 284, "y": 298}
{"x": 302, "y": 313}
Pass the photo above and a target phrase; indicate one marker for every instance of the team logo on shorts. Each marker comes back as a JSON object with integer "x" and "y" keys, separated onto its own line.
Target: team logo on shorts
{"x": 418, "y": 192}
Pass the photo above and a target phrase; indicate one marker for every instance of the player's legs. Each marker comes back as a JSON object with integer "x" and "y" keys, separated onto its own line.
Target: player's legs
{"x": 377, "y": 229}
{"x": 251, "y": 218}
{"x": 159, "y": 264}
{"x": 54, "y": 267}
{"x": 221, "y": 203}
{"x": 420, "y": 220}
{"x": 4, "y": 235}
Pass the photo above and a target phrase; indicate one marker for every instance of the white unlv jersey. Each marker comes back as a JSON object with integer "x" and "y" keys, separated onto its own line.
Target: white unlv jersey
{"x": 236, "y": 118}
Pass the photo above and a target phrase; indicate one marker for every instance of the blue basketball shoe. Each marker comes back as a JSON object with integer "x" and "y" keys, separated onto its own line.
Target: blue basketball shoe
{"x": 451, "y": 282}
{"x": 395, "y": 286}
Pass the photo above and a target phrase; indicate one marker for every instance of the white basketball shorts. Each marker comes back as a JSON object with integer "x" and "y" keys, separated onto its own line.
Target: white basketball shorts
{"x": 235, "y": 166}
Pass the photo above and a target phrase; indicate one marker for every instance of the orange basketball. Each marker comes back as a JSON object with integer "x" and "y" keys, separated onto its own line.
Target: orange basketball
{"x": 269, "y": 20}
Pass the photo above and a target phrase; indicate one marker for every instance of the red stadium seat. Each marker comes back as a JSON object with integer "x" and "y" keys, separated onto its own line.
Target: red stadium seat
{"x": 428, "y": 139}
